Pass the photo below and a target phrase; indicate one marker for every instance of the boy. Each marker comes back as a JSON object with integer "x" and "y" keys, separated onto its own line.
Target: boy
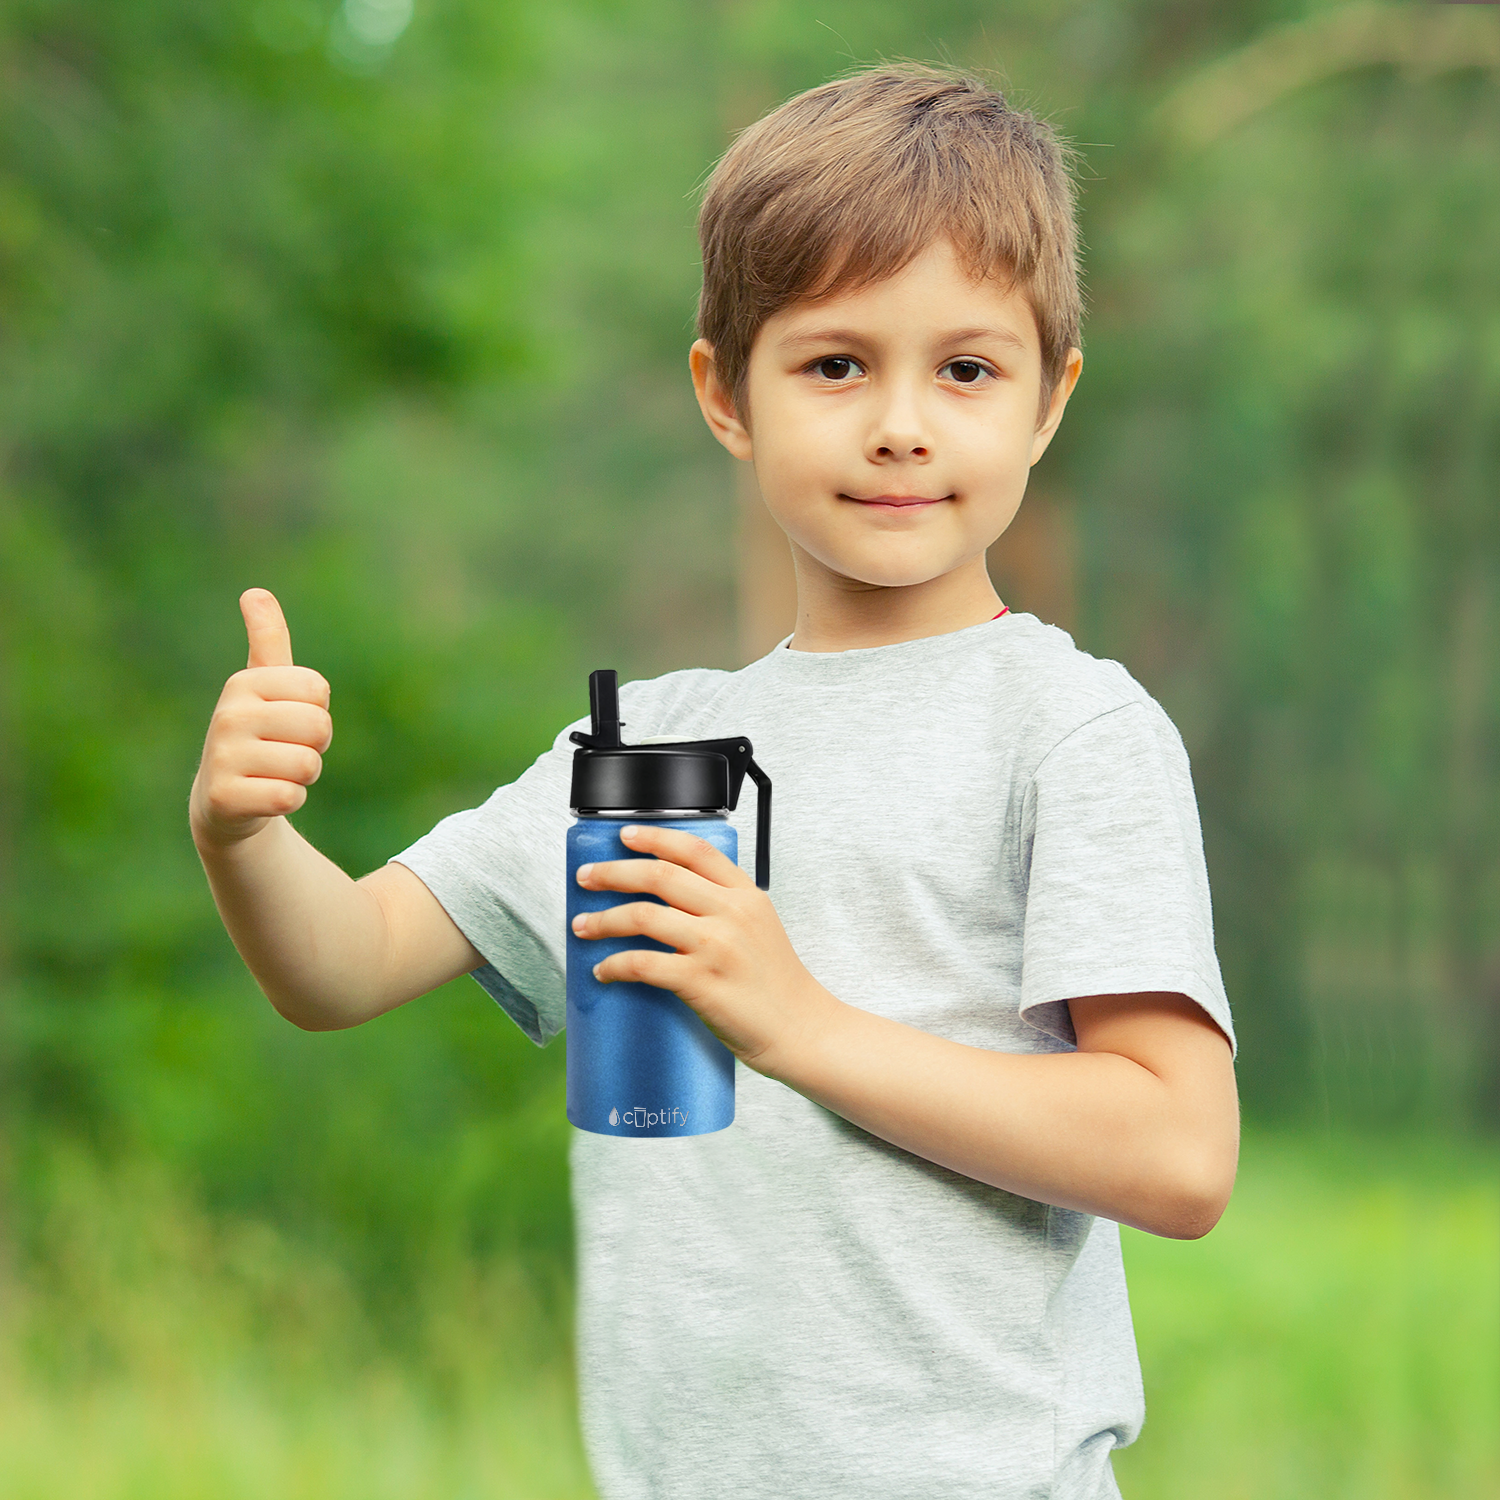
{"x": 979, "y": 1017}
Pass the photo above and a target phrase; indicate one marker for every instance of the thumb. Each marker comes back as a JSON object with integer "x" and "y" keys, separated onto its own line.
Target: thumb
{"x": 270, "y": 640}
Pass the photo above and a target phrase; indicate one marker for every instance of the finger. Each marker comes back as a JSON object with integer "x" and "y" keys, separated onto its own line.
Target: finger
{"x": 667, "y": 971}
{"x": 256, "y": 797}
{"x": 646, "y": 919}
{"x": 265, "y": 625}
{"x": 279, "y": 762}
{"x": 654, "y": 877}
{"x": 285, "y": 684}
{"x": 292, "y": 723}
{"x": 687, "y": 850}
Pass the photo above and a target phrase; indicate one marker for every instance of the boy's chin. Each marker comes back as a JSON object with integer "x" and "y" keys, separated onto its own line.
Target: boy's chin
{"x": 889, "y": 573}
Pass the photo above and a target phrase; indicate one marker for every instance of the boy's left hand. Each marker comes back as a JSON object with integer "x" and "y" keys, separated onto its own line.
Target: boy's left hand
{"x": 734, "y": 963}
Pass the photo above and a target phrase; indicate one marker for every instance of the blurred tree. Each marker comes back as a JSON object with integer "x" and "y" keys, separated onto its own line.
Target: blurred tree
{"x": 1289, "y": 482}
{"x": 253, "y": 270}
{"x": 386, "y": 306}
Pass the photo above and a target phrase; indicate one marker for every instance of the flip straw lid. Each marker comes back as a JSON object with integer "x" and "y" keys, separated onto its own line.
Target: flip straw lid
{"x": 702, "y": 777}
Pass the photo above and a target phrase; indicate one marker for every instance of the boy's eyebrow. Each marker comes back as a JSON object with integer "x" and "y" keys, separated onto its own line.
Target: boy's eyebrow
{"x": 978, "y": 335}
{"x": 849, "y": 338}
{"x": 820, "y": 336}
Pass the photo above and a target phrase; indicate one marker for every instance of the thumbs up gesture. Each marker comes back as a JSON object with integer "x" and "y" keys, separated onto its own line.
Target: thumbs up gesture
{"x": 266, "y": 738}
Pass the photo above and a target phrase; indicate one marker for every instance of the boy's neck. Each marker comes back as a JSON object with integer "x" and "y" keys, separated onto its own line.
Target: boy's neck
{"x": 835, "y": 613}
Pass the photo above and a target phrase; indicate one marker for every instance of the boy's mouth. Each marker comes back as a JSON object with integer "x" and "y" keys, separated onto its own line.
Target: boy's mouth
{"x": 898, "y": 502}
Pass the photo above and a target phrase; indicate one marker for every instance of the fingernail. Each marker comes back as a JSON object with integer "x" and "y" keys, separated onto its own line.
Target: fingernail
{"x": 584, "y": 871}
{"x": 597, "y": 974}
{"x": 578, "y": 923}
{"x": 631, "y": 831}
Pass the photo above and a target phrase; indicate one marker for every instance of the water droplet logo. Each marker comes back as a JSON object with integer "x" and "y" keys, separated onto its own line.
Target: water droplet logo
{"x": 614, "y": 1117}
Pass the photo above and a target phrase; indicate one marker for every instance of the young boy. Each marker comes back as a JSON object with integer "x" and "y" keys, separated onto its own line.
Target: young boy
{"x": 978, "y": 1019}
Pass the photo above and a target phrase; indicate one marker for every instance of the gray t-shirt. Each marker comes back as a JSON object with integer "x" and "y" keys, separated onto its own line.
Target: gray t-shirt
{"x": 970, "y": 830}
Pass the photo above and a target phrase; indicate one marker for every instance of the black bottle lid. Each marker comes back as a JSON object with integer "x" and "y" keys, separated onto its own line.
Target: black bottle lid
{"x": 688, "y": 777}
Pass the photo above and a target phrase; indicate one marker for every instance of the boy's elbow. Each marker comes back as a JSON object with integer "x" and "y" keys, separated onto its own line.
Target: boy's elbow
{"x": 306, "y": 1017}
{"x": 1191, "y": 1220}
{"x": 302, "y": 1020}
{"x": 314, "y": 1023}
{"x": 1200, "y": 1189}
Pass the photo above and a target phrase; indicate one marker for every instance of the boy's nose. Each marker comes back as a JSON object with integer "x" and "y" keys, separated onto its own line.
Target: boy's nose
{"x": 899, "y": 434}
{"x": 901, "y": 449}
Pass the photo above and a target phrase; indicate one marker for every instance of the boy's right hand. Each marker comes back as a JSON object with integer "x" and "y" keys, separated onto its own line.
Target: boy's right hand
{"x": 267, "y": 737}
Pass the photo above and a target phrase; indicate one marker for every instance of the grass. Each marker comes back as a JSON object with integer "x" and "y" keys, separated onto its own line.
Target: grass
{"x": 156, "y": 1354}
{"x": 1338, "y": 1335}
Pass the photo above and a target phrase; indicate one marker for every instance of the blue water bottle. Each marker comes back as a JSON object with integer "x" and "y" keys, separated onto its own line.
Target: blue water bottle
{"x": 640, "y": 1062}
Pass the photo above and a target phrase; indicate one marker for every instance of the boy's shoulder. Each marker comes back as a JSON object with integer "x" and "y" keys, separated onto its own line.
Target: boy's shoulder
{"x": 1057, "y": 687}
{"x": 1087, "y": 718}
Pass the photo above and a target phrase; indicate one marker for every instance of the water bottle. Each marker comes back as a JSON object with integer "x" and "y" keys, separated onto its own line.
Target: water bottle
{"x": 640, "y": 1061}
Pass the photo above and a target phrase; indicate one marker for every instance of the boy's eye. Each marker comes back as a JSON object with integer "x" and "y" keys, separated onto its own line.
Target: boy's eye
{"x": 836, "y": 367}
{"x": 965, "y": 371}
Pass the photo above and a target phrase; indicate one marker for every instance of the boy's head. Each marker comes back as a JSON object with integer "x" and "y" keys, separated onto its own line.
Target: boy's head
{"x": 889, "y": 326}
{"x": 846, "y": 184}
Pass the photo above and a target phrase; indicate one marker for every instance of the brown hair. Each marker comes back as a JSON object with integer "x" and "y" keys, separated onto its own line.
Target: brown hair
{"x": 846, "y": 184}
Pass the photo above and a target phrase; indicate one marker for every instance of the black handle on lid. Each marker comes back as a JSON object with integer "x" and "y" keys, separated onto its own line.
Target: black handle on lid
{"x": 604, "y": 735}
{"x": 604, "y": 713}
{"x": 762, "y": 825}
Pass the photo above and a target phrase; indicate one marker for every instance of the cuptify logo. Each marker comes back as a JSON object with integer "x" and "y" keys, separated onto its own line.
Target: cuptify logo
{"x": 641, "y": 1118}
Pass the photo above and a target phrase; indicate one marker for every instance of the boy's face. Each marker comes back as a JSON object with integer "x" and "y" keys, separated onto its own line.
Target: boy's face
{"x": 893, "y": 428}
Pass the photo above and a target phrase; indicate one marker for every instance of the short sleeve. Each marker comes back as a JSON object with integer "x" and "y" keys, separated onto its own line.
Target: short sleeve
{"x": 499, "y": 871}
{"x": 1117, "y": 895}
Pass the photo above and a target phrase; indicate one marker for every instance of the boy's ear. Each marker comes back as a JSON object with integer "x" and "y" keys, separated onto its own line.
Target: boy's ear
{"x": 715, "y": 402}
{"x": 1055, "y": 407}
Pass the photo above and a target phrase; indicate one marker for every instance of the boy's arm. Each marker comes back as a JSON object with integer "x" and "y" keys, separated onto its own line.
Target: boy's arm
{"x": 1139, "y": 1125}
{"x": 327, "y": 950}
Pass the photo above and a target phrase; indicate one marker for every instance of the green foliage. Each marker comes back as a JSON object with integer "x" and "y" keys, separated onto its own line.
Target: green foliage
{"x": 247, "y": 295}
{"x": 395, "y": 325}
{"x": 1288, "y": 479}
{"x": 392, "y": 321}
